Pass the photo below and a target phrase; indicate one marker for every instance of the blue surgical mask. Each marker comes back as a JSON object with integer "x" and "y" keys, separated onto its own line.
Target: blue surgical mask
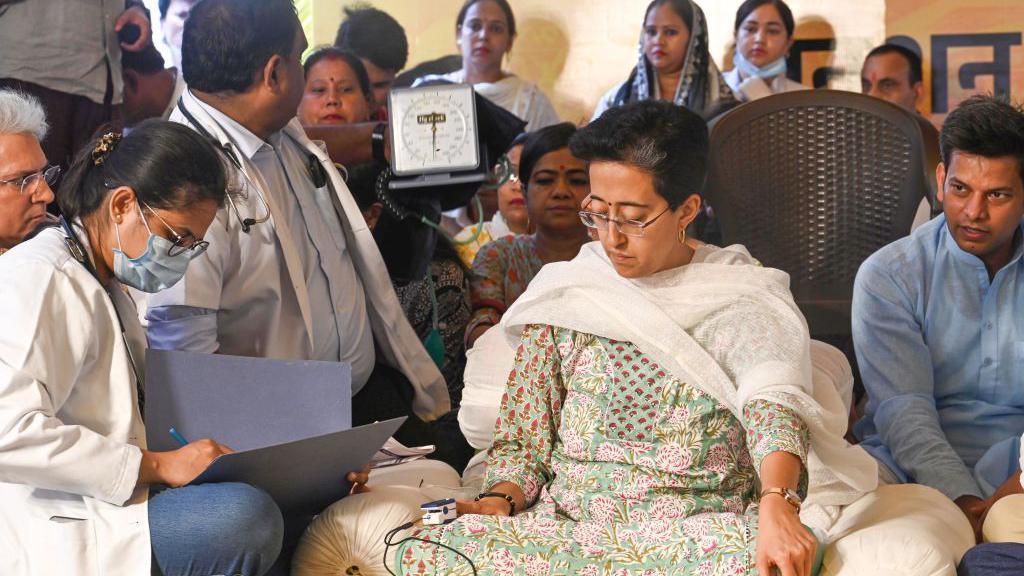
{"x": 748, "y": 69}
{"x": 154, "y": 270}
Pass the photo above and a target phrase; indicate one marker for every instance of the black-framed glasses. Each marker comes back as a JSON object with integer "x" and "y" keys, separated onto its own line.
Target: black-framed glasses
{"x": 29, "y": 184}
{"x": 180, "y": 244}
{"x": 632, "y": 228}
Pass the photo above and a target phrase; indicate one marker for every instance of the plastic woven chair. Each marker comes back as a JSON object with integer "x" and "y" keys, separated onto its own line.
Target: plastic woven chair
{"x": 813, "y": 183}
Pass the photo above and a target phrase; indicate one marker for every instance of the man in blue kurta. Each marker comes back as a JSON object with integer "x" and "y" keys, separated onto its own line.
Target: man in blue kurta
{"x": 938, "y": 322}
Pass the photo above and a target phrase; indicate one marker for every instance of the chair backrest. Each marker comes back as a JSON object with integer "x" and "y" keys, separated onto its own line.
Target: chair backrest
{"x": 812, "y": 183}
{"x": 932, "y": 157}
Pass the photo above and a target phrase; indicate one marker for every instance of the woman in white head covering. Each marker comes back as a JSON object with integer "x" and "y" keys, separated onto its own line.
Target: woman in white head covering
{"x": 675, "y": 63}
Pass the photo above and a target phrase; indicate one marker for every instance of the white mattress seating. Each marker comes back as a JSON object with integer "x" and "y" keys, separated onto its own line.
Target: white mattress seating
{"x": 905, "y": 530}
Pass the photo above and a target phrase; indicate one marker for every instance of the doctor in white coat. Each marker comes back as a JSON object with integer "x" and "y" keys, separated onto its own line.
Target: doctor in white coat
{"x": 79, "y": 491}
{"x": 293, "y": 271}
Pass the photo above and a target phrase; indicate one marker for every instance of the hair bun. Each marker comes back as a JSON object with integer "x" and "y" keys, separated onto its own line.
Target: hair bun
{"x": 104, "y": 147}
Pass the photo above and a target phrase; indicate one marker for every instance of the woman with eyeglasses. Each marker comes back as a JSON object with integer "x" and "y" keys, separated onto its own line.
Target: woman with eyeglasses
{"x": 555, "y": 184}
{"x": 510, "y": 219}
{"x": 659, "y": 417}
{"x": 81, "y": 493}
{"x": 25, "y": 177}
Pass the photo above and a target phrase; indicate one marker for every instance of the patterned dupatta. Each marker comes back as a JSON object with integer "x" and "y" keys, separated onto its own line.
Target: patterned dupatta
{"x": 701, "y": 88}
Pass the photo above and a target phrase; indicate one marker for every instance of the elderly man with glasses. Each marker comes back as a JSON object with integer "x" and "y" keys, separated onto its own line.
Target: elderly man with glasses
{"x": 25, "y": 176}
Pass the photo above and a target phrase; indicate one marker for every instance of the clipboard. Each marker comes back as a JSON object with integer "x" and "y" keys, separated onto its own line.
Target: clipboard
{"x": 289, "y": 422}
{"x": 307, "y": 475}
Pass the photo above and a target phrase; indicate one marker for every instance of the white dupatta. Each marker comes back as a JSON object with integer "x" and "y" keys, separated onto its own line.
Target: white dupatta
{"x": 721, "y": 323}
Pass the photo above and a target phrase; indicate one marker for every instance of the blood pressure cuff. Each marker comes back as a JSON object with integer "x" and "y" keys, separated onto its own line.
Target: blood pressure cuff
{"x": 408, "y": 245}
{"x": 496, "y": 129}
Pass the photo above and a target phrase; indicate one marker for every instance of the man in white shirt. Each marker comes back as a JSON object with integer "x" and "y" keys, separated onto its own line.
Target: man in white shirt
{"x": 295, "y": 273}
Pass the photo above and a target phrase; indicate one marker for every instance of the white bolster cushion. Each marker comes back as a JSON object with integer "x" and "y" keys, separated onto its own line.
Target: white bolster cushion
{"x": 898, "y": 530}
{"x": 348, "y": 537}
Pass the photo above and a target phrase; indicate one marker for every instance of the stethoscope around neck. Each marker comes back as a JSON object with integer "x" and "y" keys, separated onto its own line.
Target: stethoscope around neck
{"x": 317, "y": 173}
{"x": 228, "y": 150}
{"x": 79, "y": 253}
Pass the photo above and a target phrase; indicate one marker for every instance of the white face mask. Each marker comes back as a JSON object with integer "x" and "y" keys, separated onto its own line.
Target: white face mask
{"x": 155, "y": 269}
{"x": 748, "y": 69}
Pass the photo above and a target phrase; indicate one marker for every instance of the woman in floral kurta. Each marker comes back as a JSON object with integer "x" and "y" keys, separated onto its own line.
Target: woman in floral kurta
{"x": 501, "y": 272}
{"x": 556, "y": 184}
{"x": 632, "y": 471}
{"x": 660, "y": 409}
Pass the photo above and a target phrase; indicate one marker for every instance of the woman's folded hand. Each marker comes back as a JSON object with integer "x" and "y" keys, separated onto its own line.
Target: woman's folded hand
{"x": 492, "y": 506}
{"x": 782, "y": 541}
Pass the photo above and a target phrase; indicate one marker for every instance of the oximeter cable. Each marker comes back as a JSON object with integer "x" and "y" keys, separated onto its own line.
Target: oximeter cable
{"x": 388, "y": 544}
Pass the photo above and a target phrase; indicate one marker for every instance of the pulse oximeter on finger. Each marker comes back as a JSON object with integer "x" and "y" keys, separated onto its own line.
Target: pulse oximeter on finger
{"x": 439, "y": 512}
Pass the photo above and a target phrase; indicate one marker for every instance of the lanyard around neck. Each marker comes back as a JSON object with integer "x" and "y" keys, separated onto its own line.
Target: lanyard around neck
{"x": 78, "y": 252}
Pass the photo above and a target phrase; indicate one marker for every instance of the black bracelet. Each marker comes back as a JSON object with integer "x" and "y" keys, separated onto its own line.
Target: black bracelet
{"x": 511, "y": 501}
{"x": 377, "y": 139}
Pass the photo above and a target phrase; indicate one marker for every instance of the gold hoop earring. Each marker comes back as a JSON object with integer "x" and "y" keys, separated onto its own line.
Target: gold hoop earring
{"x": 682, "y": 236}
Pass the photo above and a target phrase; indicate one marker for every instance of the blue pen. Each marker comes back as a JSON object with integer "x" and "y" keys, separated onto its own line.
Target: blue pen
{"x": 177, "y": 436}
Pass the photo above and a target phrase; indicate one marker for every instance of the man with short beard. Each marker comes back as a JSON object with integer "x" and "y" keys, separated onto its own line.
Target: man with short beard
{"x": 938, "y": 323}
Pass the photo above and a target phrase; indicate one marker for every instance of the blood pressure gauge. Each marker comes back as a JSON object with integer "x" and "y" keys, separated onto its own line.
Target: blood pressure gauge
{"x": 433, "y": 130}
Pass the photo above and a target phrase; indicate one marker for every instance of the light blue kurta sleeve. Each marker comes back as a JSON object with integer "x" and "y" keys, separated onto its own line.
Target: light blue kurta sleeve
{"x": 185, "y": 328}
{"x": 896, "y": 368}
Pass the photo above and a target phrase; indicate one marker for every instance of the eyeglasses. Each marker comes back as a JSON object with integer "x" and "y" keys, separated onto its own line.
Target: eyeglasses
{"x": 181, "y": 243}
{"x": 29, "y": 184}
{"x": 626, "y": 227}
{"x": 504, "y": 171}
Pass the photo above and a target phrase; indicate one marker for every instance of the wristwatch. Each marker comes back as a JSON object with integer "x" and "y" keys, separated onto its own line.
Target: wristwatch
{"x": 789, "y": 495}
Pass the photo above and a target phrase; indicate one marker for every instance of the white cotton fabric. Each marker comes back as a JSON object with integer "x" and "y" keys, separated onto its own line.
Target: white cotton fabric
{"x": 348, "y": 537}
{"x": 722, "y": 323}
{"x": 898, "y": 530}
{"x": 1005, "y": 520}
{"x": 754, "y": 88}
{"x": 488, "y": 364}
{"x": 418, "y": 473}
{"x": 491, "y": 359}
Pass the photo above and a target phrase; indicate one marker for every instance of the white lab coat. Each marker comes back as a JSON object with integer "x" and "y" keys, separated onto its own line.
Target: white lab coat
{"x": 70, "y": 430}
{"x": 255, "y": 281}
